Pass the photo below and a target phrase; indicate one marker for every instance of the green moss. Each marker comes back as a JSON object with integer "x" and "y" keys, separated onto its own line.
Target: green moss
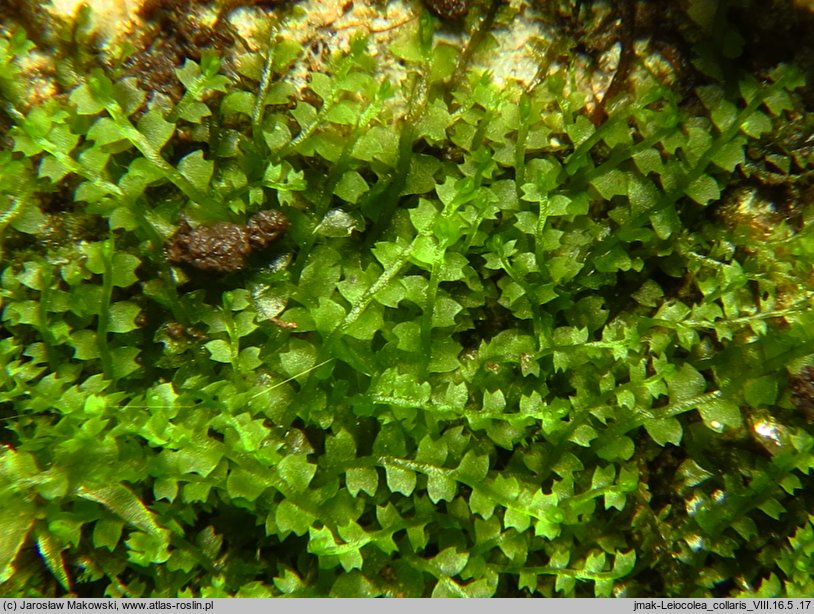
{"x": 507, "y": 347}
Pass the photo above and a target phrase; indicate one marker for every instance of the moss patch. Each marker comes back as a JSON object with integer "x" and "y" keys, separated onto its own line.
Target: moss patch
{"x": 527, "y": 335}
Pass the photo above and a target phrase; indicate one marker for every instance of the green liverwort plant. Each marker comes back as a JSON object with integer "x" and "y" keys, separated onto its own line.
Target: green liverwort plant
{"x": 506, "y": 348}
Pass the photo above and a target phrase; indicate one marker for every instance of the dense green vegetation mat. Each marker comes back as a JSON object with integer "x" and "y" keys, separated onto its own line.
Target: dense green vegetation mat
{"x": 519, "y": 339}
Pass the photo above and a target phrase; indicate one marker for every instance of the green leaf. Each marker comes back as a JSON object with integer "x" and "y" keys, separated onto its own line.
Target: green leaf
{"x": 16, "y": 521}
{"x": 340, "y": 447}
{"x": 344, "y": 112}
{"x": 772, "y": 508}
{"x": 201, "y": 458}
{"x": 289, "y": 582}
{"x": 648, "y": 161}
{"x": 421, "y": 175}
{"x": 338, "y": 223}
{"x": 123, "y": 269}
{"x": 623, "y": 563}
{"x": 583, "y": 435}
{"x": 362, "y": 479}
{"x": 699, "y": 142}
{"x": 155, "y": 128}
{"x": 296, "y": 471}
{"x": 51, "y": 552}
{"x": 444, "y": 311}
{"x": 441, "y": 487}
{"x": 473, "y": 468}
{"x": 198, "y": 170}
{"x": 290, "y": 517}
{"x": 245, "y": 484}
{"x": 125, "y": 361}
{"x": 613, "y": 183}
{"x": 730, "y": 155}
{"x": 580, "y": 130}
{"x": 720, "y": 413}
{"x": 238, "y": 102}
{"x": 563, "y": 268}
{"x": 514, "y": 546}
{"x": 129, "y": 95}
{"x": 778, "y": 101}
{"x": 54, "y": 169}
{"x": 327, "y": 315}
{"x": 249, "y": 359}
{"x": 621, "y": 448}
{"x": 146, "y": 549}
{"x": 449, "y": 562}
{"x": 299, "y": 359}
{"x": 665, "y": 221}
{"x": 107, "y": 533}
{"x": 400, "y": 479}
{"x": 66, "y": 528}
{"x": 516, "y": 519}
{"x": 28, "y": 219}
{"x": 353, "y": 584}
{"x": 693, "y": 474}
{"x": 603, "y": 476}
{"x": 756, "y": 124}
{"x": 85, "y": 345}
{"x": 760, "y": 391}
{"x": 126, "y": 505}
{"x": 444, "y": 356}
{"x": 423, "y": 216}
{"x": 85, "y": 102}
{"x": 643, "y": 194}
{"x": 664, "y": 430}
{"x": 165, "y": 488}
{"x": 433, "y": 124}
{"x": 122, "y": 317}
{"x": 194, "y": 112}
{"x": 595, "y": 562}
{"x": 704, "y": 189}
{"x": 685, "y": 384}
{"x": 617, "y": 259}
{"x": 219, "y": 350}
{"x": 105, "y": 131}
{"x": 351, "y": 186}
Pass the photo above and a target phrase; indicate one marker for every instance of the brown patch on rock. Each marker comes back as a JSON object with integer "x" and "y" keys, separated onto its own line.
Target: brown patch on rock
{"x": 451, "y": 10}
{"x": 172, "y": 34}
{"x": 266, "y": 227}
{"x": 224, "y": 247}
{"x": 802, "y": 391}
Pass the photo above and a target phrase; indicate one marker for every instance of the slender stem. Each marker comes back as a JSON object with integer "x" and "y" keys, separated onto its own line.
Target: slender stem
{"x": 262, "y": 94}
{"x": 108, "y": 248}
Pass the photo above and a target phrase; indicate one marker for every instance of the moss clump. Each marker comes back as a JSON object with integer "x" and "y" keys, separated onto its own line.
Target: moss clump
{"x": 535, "y": 333}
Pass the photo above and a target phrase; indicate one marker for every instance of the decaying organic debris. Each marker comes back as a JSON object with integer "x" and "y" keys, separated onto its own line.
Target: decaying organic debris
{"x": 224, "y": 247}
{"x": 448, "y": 9}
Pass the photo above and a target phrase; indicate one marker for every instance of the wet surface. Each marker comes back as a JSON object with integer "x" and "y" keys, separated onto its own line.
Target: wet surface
{"x": 224, "y": 247}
